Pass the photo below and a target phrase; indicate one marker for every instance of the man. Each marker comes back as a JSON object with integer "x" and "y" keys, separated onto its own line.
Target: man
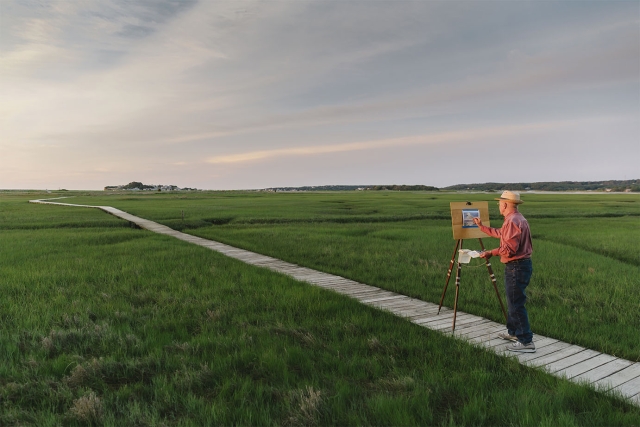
{"x": 515, "y": 252}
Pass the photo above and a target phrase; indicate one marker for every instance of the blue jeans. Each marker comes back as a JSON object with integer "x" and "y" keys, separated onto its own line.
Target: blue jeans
{"x": 516, "y": 279}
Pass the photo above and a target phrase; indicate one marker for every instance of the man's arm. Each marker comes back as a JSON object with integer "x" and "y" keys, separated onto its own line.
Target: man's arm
{"x": 490, "y": 231}
{"x": 493, "y": 232}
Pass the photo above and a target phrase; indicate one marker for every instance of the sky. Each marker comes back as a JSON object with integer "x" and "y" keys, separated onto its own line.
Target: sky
{"x": 253, "y": 94}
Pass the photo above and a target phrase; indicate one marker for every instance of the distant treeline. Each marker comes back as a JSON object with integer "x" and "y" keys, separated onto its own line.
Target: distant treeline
{"x": 612, "y": 185}
{"x": 626, "y": 185}
{"x": 403, "y": 188}
{"x": 356, "y": 188}
{"x": 319, "y": 188}
{"x": 138, "y": 185}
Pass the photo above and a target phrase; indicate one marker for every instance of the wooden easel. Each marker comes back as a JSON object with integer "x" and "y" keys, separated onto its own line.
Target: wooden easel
{"x": 444, "y": 291}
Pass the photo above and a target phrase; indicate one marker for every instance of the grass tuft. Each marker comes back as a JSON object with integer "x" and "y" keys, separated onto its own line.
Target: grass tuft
{"x": 306, "y": 407}
{"x": 84, "y": 375}
{"x": 87, "y": 409}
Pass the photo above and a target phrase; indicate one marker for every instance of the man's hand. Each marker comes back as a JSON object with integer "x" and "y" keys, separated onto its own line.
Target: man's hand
{"x": 485, "y": 254}
{"x": 477, "y": 221}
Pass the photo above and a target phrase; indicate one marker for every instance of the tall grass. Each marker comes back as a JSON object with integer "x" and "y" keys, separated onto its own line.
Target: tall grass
{"x": 255, "y": 207}
{"x": 116, "y": 326}
{"x": 586, "y": 265}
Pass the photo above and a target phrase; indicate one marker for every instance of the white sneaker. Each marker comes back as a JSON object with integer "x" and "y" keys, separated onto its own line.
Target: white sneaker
{"x": 522, "y": 348}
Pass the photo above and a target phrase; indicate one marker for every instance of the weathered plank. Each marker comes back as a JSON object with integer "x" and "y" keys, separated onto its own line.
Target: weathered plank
{"x": 427, "y": 315}
{"x": 326, "y": 282}
{"x": 395, "y": 306}
{"x": 493, "y": 342}
{"x": 372, "y": 295}
{"x": 630, "y": 388}
{"x": 614, "y": 380}
{"x": 425, "y": 318}
{"x": 540, "y": 343}
{"x": 487, "y": 340}
{"x": 480, "y": 330}
{"x": 355, "y": 291}
{"x": 398, "y": 305}
{"x": 446, "y": 327}
{"x": 437, "y": 323}
{"x": 461, "y": 323}
{"x": 585, "y": 366}
{"x": 556, "y": 356}
{"x": 542, "y": 352}
{"x": 571, "y": 360}
{"x": 603, "y": 371}
{"x": 386, "y": 298}
{"x": 426, "y": 311}
{"x": 365, "y": 292}
{"x": 409, "y": 313}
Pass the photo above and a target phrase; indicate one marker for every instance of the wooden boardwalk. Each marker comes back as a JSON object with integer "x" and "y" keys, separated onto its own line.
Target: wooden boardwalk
{"x": 572, "y": 362}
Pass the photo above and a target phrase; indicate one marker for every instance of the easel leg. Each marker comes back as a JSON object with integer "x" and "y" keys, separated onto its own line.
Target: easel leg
{"x": 493, "y": 280}
{"x": 453, "y": 257}
{"x": 455, "y": 303}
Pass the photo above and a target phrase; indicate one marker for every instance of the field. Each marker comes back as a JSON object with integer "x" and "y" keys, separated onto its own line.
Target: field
{"x": 104, "y": 324}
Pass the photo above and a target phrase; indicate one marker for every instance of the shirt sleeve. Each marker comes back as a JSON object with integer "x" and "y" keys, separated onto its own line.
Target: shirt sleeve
{"x": 493, "y": 232}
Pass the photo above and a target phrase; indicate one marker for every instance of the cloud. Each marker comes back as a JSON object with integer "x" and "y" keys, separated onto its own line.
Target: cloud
{"x": 531, "y": 76}
{"x": 436, "y": 138}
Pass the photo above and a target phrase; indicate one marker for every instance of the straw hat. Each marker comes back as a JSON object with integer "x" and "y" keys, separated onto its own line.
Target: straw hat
{"x": 510, "y": 196}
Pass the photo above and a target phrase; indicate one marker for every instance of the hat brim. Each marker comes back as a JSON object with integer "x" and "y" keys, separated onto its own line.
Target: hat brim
{"x": 517, "y": 202}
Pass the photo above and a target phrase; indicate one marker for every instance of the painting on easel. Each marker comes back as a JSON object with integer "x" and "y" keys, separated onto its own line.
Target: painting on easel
{"x": 462, "y": 214}
{"x": 467, "y": 217}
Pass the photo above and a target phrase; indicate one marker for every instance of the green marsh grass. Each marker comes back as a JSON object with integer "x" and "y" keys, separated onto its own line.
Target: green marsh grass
{"x": 117, "y": 326}
{"x": 576, "y": 295}
{"x": 586, "y": 267}
{"x": 402, "y": 242}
